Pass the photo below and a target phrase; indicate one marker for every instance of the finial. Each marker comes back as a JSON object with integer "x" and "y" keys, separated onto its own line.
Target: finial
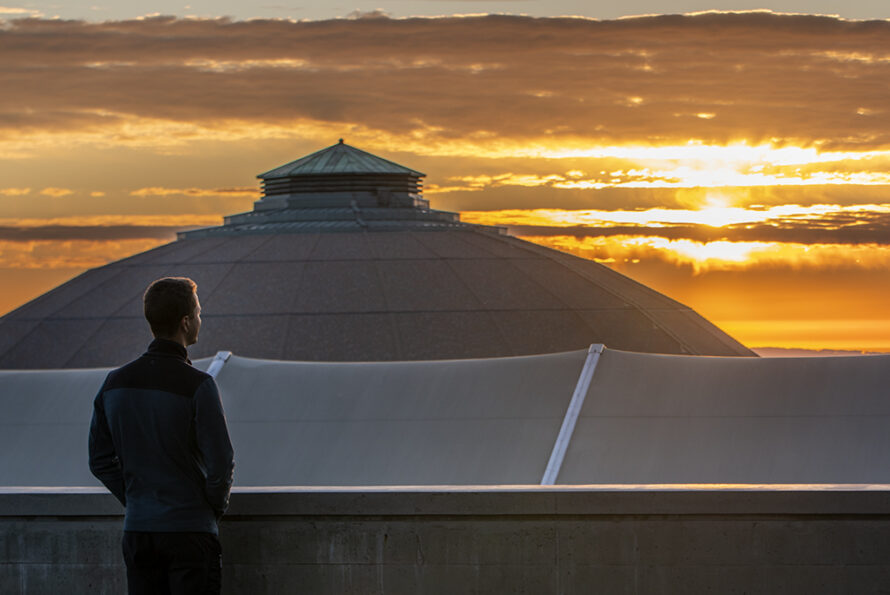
{"x": 341, "y": 142}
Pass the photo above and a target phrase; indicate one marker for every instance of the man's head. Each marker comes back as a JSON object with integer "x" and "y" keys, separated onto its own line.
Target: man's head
{"x": 172, "y": 309}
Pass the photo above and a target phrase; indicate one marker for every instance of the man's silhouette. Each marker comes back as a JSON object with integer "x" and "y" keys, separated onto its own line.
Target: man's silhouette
{"x": 159, "y": 443}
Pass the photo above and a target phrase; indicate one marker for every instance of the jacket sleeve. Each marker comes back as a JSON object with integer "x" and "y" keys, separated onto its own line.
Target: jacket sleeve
{"x": 104, "y": 463}
{"x": 214, "y": 445}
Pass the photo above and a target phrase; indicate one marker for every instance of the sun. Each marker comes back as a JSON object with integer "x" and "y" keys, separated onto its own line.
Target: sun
{"x": 718, "y": 211}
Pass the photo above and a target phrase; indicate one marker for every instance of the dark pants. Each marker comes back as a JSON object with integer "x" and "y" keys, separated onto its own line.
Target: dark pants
{"x": 172, "y": 563}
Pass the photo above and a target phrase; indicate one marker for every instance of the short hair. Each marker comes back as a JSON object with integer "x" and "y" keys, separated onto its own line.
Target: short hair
{"x": 166, "y": 301}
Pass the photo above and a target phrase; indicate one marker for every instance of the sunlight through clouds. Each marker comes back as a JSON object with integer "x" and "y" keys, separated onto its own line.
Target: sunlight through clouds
{"x": 713, "y": 215}
{"x": 720, "y": 255}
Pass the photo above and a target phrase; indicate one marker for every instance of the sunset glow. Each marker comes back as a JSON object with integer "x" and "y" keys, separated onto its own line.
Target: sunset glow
{"x": 749, "y": 180}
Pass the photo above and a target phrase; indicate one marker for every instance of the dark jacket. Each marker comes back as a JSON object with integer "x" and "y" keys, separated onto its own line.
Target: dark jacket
{"x": 159, "y": 443}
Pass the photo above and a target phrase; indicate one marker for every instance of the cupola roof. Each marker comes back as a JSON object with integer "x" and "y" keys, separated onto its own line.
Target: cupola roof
{"x": 339, "y": 159}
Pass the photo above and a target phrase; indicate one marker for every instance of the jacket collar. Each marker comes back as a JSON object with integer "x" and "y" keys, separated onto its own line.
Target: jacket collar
{"x": 168, "y": 348}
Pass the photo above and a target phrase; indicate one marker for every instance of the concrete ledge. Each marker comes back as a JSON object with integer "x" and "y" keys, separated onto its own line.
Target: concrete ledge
{"x": 510, "y": 539}
{"x": 844, "y": 499}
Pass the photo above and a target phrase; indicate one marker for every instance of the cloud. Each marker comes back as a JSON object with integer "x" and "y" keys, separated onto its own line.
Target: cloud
{"x": 705, "y": 174}
{"x": 100, "y": 228}
{"x": 494, "y": 82}
{"x": 86, "y": 232}
{"x": 56, "y": 192}
{"x": 370, "y": 14}
{"x": 69, "y": 254}
{"x": 161, "y": 191}
{"x": 14, "y": 191}
{"x": 702, "y": 256}
{"x": 875, "y": 234}
{"x": 821, "y": 224}
{"x": 15, "y": 11}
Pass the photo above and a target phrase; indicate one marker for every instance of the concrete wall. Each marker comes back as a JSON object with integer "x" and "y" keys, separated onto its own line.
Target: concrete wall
{"x": 777, "y": 539}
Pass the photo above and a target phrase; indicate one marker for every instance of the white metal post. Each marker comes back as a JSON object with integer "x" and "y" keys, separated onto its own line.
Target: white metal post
{"x": 219, "y": 360}
{"x": 571, "y": 417}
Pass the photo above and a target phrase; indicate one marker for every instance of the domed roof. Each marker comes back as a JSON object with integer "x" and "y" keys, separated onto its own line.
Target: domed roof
{"x": 312, "y": 278}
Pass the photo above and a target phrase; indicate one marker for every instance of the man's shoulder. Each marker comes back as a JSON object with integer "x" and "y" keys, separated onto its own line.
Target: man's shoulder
{"x": 165, "y": 374}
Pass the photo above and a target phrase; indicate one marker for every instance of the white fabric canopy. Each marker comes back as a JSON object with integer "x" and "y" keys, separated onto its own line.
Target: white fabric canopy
{"x": 486, "y": 421}
{"x": 645, "y": 419}
{"x": 680, "y": 419}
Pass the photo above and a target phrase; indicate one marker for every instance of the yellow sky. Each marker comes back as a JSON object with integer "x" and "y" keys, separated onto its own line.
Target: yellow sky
{"x": 739, "y": 163}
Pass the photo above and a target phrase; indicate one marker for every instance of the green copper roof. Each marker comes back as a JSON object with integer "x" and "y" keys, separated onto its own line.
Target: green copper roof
{"x": 339, "y": 159}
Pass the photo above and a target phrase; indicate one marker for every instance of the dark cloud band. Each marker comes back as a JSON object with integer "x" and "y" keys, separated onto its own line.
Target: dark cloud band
{"x": 87, "y": 232}
{"x": 758, "y": 76}
{"x": 840, "y": 228}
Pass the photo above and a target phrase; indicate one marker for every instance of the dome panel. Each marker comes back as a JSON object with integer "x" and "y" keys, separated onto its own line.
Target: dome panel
{"x": 450, "y": 245}
{"x": 425, "y": 285}
{"x": 12, "y": 331}
{"x": 501, "y": 286}
{"x": 449, "y": 335}
{"x": 257, "y": 288}
{"x": 630, "y": 291}
{"x": 341, "y": 337}
{"x": 232, "y": 251}
{"x": 543, "y": 331}
{"x": 348, "y": 286}
{"x": 51, "y": 344}
{"x": 400, "y": 246}
{"x": 499, "y": 246}
{"x": 129, "y": 337}
{"x": 341, "y": 246}
{"x": 570, "y": 288}
{"x": 172, "y": 254}
{"x": 256, "y": 333}
{"x": 631, "y": 330}
{"x": 288, "y": 246}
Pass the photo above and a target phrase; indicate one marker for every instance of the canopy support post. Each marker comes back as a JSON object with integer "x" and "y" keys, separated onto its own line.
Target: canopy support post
{"x": 219, "y": 360}
{"x": 571, "y": 417}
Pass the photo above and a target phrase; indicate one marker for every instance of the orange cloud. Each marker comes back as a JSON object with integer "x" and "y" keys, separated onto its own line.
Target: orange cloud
{"x": 187, "y": 220}
{"x": 714, "y": 224}
{"x": 56, "y": 192}
{"x": 714, "y": 214}
{"x": 14, "y": 191}
{"x": 161, "y": 191}
{"x": 71, "y": 254}
{"x": 91, "y": 232}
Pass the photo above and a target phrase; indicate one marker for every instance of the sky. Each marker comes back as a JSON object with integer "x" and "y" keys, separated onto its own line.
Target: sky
{"x": 738, "y": 162}
{"x": 96, "y": 10}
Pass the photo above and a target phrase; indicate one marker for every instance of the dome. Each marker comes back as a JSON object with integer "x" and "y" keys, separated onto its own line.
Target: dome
{"x": 345, "y": 261}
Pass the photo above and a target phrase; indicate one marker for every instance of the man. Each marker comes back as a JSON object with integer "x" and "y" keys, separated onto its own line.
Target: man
{"x": 159, "y": 443}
